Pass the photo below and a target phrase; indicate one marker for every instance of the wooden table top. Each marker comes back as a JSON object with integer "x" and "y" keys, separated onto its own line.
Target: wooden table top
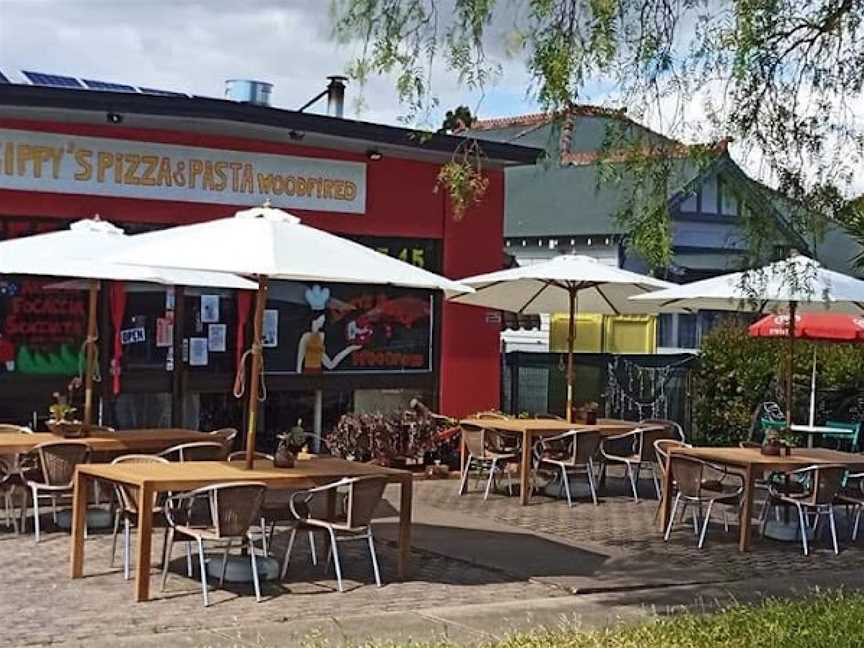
{"x": 194, "y": 474}
{"x": 121, "y": 440}
{"x": 799, "y": 458}
{"x": 611, "y": 426}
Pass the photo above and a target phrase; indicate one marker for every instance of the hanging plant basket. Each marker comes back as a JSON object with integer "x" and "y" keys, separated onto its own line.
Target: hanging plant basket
{"x": 463, "y": 178}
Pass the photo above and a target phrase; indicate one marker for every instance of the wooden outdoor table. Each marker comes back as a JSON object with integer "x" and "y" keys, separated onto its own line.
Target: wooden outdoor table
{"x": 530, "y": 429}
{"x": 753, "y": 465}
{"x": 151, "y": 479}
{"x": 145, "y": 440}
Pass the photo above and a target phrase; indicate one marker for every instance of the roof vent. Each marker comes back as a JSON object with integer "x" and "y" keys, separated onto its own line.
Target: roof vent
{"x": 248, "y": 91}
{"x": 336, "y": 96}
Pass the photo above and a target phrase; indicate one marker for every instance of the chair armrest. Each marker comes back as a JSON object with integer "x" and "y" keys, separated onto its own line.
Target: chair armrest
{"x": 559, "y": 437}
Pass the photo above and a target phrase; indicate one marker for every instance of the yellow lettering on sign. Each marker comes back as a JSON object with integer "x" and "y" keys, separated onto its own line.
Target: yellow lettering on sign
{"x": 163, "y": 176}
{"x": 148, "y": 175}
{"x": 84, "y": 160}
{"x": 196, "y": 168}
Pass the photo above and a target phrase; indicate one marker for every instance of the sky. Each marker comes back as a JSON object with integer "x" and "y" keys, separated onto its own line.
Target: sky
{"x": 194, "y": 46}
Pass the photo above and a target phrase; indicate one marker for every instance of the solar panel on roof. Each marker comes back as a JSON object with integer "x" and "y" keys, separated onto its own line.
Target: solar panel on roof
{"x": 106, "y": 85}
{"x": 52, "y": 80}
{"x": 164, "y": 93}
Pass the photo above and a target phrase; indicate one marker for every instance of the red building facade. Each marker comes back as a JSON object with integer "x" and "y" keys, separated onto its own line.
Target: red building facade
{"x": 54, "y": 170}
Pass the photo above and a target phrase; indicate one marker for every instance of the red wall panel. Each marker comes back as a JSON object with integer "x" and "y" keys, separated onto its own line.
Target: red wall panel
{"x": 401, "y": 201}
{"x": 470, "y": 377}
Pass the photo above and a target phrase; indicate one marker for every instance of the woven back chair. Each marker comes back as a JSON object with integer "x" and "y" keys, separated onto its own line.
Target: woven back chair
{"x": 197, "y": 451}
{"x": 240, "y": 455}
{"x": 821, "y": 484}
{"x": 362, "y": 496}
{"x": 475, "y": 439}
{"x": 226, "y": 437}
{"x": 57, "y": 461}
{"x": 651, "y": 432}
{"x": 128, "y": 495}
{"x": 362, "y": 499}
{"x": 9, "y": 428}
{"x": 661, "y": 449}
{"x": 689, "y": 475}
{"x": 234, "y": 508}
{"x": 54, "y": 474}
{"x": 571, "y": 452}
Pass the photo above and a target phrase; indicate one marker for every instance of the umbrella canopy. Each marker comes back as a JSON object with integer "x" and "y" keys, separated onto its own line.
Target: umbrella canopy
{"x": 566, "y": 283}
{"x": 546, "y": 287}
{"x": 81, "y": 252}
{"x": 269, "y": 243}
{"x": 818, "y": 327}
{"x": 797, "y": 283}
{"x": 798, "y": 280}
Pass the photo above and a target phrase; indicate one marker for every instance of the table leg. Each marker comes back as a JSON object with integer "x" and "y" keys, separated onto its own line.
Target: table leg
{"x": 405, "y": 504}
{"x": 666, "y": 497}
{"x": 145, "y": 536}
{"x": 525, "y": 472}
{"x": 809, "y": 439}
{"x": 746, "y": 511}
{"x": 79, "y": 520}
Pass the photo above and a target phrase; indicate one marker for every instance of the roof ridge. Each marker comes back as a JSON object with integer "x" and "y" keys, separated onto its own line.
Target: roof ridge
{"x": 533, "y": 119}
{"x": 676, "y": 150}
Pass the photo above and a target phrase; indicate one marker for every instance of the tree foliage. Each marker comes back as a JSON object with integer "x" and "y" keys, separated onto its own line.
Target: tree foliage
{"x": 782, "y": 78}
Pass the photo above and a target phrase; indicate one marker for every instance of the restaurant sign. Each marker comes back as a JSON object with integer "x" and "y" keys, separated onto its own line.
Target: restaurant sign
{"x": 60, "y": 163}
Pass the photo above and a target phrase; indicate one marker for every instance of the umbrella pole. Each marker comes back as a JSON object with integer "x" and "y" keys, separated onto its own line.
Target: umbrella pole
{"x": 571, "y": 333}
{"x": 90, "y": 353}
{"x": 813, "y": 391}
{"x": 255, "y": 380}
{"x": 790, "y": 364}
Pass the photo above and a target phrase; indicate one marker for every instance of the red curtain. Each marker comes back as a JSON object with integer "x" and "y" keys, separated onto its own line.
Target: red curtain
{"x": 118, "y": 307}
{"x": 244, "y": 305}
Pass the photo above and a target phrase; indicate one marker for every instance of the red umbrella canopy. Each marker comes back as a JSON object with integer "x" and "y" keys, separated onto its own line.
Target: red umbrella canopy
{"x": 812, "y": 326}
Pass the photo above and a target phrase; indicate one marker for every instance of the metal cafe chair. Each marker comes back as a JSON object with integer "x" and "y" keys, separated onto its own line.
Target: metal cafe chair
{"x": 701, "y": 483}
{"x": 484, "y": 453}
{"x": 56, "y": 472}
{"x": 361, "y": 498}
{"x": 219, "y": 513}
{"x": 197, "y": 451}
{"x": 572, "y": 452}
{"x": 127, "y": 509}
{"x": 821, "y": 485}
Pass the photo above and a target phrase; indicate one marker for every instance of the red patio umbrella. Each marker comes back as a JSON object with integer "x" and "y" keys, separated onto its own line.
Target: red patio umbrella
{"x": 816, "y": 327}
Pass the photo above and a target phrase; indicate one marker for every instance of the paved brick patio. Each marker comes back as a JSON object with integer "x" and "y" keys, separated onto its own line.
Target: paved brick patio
{"x": 467, "y": 551}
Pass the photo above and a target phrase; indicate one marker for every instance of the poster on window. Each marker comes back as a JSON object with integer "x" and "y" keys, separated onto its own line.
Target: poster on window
{"x": 343, "y": 328}
{"x": 41, "y": 330}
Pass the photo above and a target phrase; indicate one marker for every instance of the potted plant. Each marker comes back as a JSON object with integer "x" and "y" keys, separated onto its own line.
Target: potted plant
{"x": 59, "y": 423}
{"x": 291, "y": 444}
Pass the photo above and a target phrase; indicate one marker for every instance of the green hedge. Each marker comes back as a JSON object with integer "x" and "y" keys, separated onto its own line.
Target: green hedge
{"x": 736, "y": 373}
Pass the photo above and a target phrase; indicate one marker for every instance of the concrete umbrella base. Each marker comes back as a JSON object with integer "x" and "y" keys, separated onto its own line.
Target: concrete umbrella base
{"x": 239, "y": 568}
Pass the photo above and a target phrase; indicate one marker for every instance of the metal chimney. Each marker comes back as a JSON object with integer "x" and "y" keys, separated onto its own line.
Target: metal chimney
{"x": 336, "y": 95}
{"x": 248, "y": 91}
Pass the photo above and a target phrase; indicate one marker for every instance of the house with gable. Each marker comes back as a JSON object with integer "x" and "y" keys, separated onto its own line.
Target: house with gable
{"x": 568, "y": 204}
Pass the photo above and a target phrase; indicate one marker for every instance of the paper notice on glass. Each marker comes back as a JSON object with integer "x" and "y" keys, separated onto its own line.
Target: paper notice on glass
{"x": 270, "y": 329}
{"x": 169, "y": 359}
{"x": 216, "y": 334}
{"x": 198, "y": 356}
{"x": 164, "y": 332}
{"x": 209, "y": 308}
{"x": 169, "y": 298}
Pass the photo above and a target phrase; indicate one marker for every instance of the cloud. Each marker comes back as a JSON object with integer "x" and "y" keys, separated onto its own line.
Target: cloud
{"x": 195, "y": 46}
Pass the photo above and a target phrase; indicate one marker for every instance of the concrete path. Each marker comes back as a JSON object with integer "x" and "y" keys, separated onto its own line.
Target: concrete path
{"x": 478, "y": 624}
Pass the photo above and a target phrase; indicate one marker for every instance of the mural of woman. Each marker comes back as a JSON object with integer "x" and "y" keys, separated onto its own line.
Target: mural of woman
{"x": 311, "y": 351}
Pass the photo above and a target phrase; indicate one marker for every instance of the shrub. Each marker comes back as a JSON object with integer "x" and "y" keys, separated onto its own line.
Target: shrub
{"x": 736, "y": 373}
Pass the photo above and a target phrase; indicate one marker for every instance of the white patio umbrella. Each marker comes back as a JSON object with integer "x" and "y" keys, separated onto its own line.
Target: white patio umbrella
{"x": 268, "y": 243}
{"x": 81, "y": 252}
{"x": 566, "y": 283}
{"x": 797, "y": 284}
